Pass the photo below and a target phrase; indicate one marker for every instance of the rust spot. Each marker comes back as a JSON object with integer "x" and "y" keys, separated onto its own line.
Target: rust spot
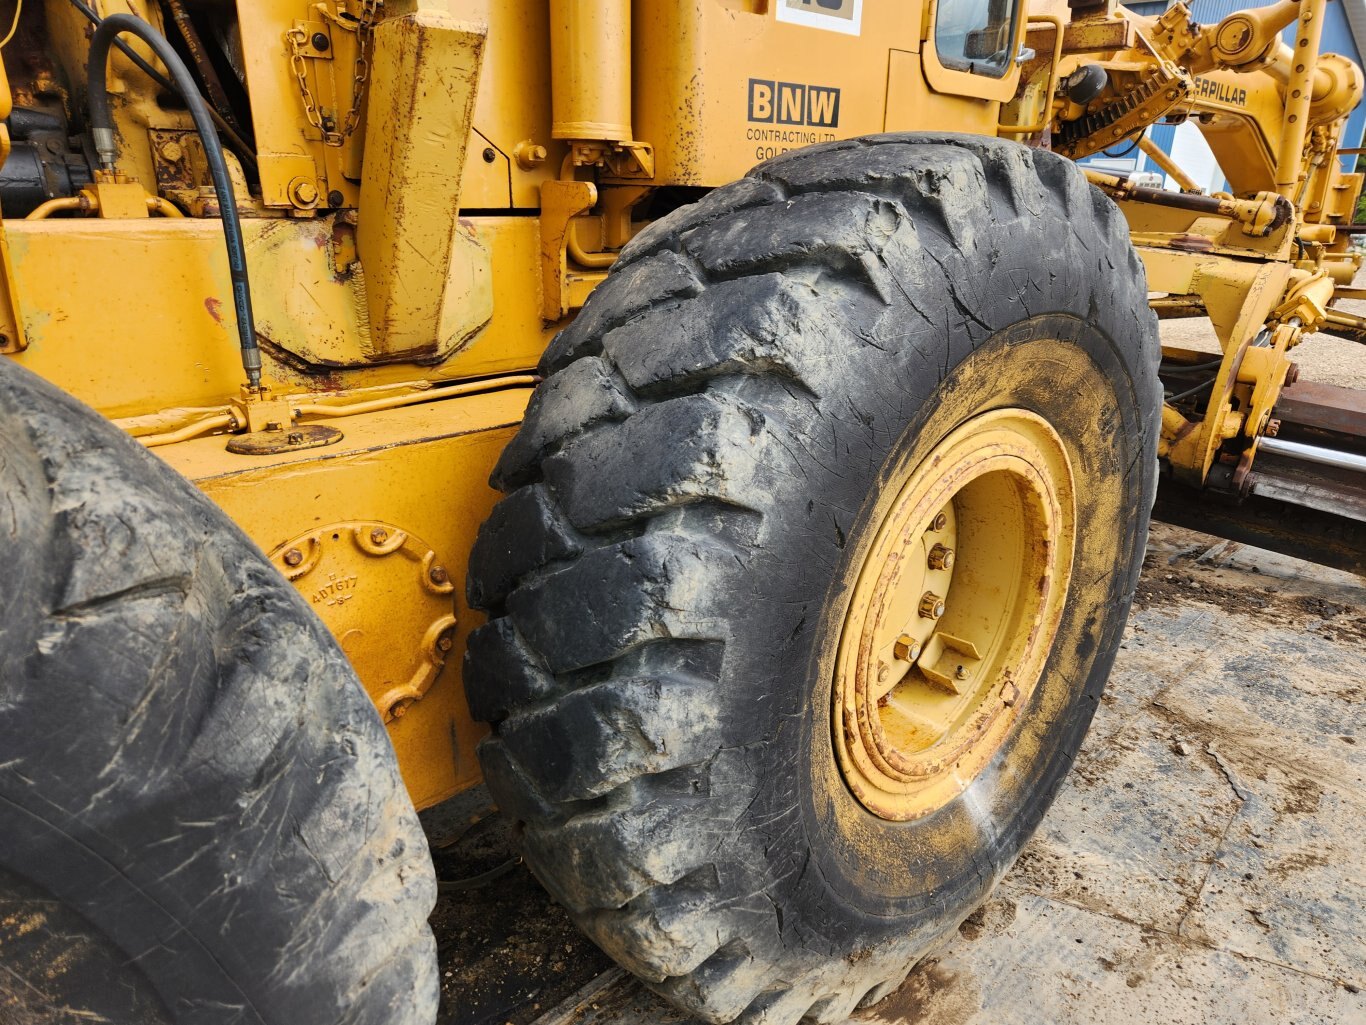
{"x": 1186, "y": 429}
{"x": 1192, "y": 243}
{"x": 215, "y": 308}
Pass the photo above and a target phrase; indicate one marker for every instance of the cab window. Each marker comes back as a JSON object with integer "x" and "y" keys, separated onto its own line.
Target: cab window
{"x": 976, "y": 35}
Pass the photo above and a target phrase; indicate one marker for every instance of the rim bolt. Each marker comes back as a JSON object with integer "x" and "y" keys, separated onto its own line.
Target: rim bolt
{"x": 293, "y": 557}
{"x": 438, "y": 575}
{"x": 378, "y": 536}
{"x": 931, "y": 605}
{"x": 939, "y": 522}
{"x": 941, "y": 557}
{"x": 960, "y": 673}
{"x": 906, "y": 648}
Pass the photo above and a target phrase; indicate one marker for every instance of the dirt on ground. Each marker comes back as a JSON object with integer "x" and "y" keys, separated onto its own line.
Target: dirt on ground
{"x": 507, "y": 952}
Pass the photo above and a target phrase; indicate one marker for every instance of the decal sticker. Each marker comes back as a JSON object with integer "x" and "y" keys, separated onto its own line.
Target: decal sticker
{"x": 832, "y": 15}
{"x": 1220, "y": 92}
{"x": 794, "y": 108}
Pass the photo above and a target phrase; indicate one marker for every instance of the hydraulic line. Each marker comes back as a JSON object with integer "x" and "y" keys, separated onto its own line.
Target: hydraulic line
{"x": 102, "y": 128}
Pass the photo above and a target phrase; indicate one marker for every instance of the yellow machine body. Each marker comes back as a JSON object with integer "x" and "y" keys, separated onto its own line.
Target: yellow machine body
{"x": 440, "y": 184}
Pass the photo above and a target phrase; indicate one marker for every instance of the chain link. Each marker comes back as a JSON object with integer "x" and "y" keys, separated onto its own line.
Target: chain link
{"x": 298, "y": 41}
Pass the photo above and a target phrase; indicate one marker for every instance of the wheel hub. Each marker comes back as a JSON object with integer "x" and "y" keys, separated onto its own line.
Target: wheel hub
{"x": 953, "y": 613}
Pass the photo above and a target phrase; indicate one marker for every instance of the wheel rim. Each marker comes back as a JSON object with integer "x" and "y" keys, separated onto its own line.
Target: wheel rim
{"x": 953, "y": 613}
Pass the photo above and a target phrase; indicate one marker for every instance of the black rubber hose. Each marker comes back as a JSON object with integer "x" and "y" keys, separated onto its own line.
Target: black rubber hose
{"x": 102, "y": 127}
{"x": 235, "y": 142}
{"x": 1191, "y": 391}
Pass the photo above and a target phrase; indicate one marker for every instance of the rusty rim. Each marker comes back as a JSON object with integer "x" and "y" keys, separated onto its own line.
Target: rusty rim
{"x": 953, "y": 613}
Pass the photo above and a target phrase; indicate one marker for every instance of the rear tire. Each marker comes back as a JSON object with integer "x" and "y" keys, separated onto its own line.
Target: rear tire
{"x": 691, "y": 498}
{"x": 201, "y": 817}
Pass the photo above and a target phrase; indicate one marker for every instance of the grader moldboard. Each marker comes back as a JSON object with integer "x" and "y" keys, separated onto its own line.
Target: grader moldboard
{"x": 818, "y": 532}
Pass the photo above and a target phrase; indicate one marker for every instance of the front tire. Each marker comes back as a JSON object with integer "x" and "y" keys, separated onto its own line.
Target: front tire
{"x": 201, "y": 817}
{"x": 697, "y": 500}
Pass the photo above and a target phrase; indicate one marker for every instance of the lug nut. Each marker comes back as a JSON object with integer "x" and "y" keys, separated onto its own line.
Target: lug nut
{"x": 939, "y": 522}
{"x": 293, "y": 557}
{"x": 906, "y": 648}
{"x": 438, "y": 575}
{"x": 941, "y": 557}
{"x": 378, "y": 536}
{"x": 931, "y": 605}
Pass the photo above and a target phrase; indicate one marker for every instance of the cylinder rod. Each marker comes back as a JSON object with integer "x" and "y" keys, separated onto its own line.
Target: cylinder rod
{"x": 1314, "y": 454}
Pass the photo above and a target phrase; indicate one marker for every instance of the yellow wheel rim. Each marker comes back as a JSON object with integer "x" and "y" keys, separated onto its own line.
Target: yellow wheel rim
{"x": 953, "y": 613}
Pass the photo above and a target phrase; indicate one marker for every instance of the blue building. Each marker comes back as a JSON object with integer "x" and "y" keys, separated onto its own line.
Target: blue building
{"x": 1344, "y": 33}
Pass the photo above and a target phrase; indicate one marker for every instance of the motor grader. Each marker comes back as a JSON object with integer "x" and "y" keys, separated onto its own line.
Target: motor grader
{"x": 728, "y": 429}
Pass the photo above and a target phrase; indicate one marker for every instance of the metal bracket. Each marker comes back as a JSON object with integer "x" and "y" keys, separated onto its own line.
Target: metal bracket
{"x": 561, "y": 290}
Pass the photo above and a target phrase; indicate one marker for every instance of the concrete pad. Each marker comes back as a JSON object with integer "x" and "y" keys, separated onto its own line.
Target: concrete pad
{"x": 1048, "y": 962}
{"x": 1287, "y": 883}
{"x": 1135, "y": 831}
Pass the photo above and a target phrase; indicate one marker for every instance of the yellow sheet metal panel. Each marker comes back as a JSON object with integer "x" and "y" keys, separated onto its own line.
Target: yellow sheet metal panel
{"x": 911, "y": 106}
{"x": 424, "y": 76}
{"x": 171, "y": 322}
{"x": 421, "y": 469}
{"x": 512, "y": 109}
{"x": 769, "y": 85}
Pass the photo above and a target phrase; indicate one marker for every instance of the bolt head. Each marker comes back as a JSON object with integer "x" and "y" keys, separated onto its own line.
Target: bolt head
{"x": 378, "y": 536}
{"x": 438, "y": 575}
{"x": 320, "y": 42}
{"x": 305, "y": 193}
{"x": 931, "y": 605}
{"x": 446, "y": 642}
{"x": 293, "y": 557}
{"x": 939, "y": 522}
{"x": 961, "y": 673}
{"x": 490, "y": 154}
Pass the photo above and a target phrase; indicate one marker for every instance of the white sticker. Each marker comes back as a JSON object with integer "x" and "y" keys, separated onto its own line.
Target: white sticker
{"x": 832, "y": 15}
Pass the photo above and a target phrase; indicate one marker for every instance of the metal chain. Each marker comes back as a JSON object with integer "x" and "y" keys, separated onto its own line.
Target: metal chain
{"x": 369, "y": 15}
{"x": 297, "y": 38}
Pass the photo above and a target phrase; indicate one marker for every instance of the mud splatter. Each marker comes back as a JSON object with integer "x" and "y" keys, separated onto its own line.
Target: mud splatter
{"x": 931, "y": 995}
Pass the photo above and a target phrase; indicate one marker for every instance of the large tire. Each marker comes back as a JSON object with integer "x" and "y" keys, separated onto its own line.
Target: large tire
{"x": 694, "y": 485}
{"x": 201, "y": 818}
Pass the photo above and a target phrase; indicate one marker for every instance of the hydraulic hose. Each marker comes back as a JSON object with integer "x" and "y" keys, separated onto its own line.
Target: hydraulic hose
{"x": 102, "y": 128}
